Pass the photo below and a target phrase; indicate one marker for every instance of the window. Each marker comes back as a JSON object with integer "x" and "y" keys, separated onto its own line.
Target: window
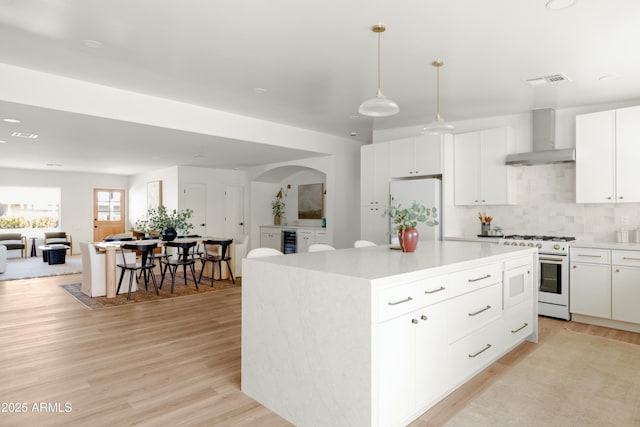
{"x": 29, "y": 207}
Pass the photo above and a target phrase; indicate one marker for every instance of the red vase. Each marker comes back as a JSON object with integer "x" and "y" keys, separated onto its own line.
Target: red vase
{"x": 408, "y": 239}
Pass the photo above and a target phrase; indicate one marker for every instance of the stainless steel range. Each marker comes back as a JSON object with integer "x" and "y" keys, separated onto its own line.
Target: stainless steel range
{"x": 553, "y": 253}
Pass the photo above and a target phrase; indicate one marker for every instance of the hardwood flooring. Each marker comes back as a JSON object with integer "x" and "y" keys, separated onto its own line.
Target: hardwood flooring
{"x": 173, "y": 362}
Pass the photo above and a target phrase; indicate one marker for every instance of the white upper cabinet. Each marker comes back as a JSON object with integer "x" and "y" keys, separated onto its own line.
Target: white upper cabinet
{"x": 416, "y": 156}
{"x": 607, "y": 153}
{"x": 374, "y": 174}
{"x": 480, "y": 174}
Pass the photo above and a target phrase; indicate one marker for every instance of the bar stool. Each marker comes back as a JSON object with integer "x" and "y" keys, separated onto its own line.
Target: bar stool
{"x": 145, "y": 266}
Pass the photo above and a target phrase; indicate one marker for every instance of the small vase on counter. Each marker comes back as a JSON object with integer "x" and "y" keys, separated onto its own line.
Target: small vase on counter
{"x": 276, "y": 220}
{"x": 408, "y": 238}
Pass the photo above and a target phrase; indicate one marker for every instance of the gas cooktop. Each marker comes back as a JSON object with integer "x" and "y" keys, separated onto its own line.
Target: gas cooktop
{"x": 538, "y": 237}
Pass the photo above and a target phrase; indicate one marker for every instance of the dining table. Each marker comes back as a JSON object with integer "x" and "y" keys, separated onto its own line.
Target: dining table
{"x": 110, "y": 249}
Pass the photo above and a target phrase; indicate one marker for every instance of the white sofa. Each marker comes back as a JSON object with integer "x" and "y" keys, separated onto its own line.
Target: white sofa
{"x": 93, "y": 271}
{"x": 3, "y": 259}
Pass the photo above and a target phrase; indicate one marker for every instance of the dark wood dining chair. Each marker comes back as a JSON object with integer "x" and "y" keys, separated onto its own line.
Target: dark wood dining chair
{"x": 184, "y": 258}
{"x": 145, "y": 266}
{"x": 217, "y": 258}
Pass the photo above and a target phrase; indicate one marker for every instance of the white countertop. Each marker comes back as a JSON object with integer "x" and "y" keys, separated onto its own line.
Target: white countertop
{"x": 377, "y": 262}
{"x": 606, "y": 245}
{"x": 294, "y": 227}
{"x": 487, "y": 239}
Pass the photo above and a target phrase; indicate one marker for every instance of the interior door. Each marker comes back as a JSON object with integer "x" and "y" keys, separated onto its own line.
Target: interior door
{"x": 233, "y": 211}
{"x": 195, "y": 198}
{"x": 108, "y": 212}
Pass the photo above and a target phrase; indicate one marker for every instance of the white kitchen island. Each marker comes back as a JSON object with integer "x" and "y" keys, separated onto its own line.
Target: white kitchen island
{"x": 375, "y": 337}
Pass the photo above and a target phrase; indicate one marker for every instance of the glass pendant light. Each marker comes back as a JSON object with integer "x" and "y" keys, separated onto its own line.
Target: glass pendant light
{"x": 380, "y": 106}
{"x": 439, "y": 125}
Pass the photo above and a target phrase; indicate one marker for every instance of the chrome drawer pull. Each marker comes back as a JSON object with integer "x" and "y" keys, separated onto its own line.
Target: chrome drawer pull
{"x": 480, "y": 311}
{"x": 487, "y": 347}
{"x": 407, "y": 299}
{"x": 520, "y": 328}
{"x": 631, "y": 258}
{"x": 591, "y": 256}
{"x": 435, "y": 290}
{"x": 479, "y": 278}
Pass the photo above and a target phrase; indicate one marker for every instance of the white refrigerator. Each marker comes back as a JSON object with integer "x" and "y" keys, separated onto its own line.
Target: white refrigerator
{"x": 426, "y": 191}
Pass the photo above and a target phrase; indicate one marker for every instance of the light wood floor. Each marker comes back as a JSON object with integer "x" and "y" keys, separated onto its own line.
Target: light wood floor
{"x": 164, "y": 363}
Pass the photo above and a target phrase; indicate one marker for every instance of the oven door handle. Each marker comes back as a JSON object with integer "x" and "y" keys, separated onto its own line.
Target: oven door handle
{"x": 551, "y": 259}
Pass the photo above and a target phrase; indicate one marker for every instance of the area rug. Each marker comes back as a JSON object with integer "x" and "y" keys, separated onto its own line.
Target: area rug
{"x": 573, "y": 379}
{"x": 142, "y": 296}
{"x": 29, "y": 268}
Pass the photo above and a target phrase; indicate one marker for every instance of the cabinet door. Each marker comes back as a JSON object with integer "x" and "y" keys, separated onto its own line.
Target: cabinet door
{"x": 493, "y": 171}
{"x": 431, "y": 372}
{"x": 271, "y": 239}
{"x": 595, "y": 157}
{"x": 402, "y": 157}
{"x": 305, "y": 238}
{"x": 323, "y": 237}
{"x": 627, "y": 155}
{"x": 467, "y": 169}
{"x": 374, "y": 226}
{"x": 397, "y": 357}
{"x": 374, "y": 174}
{"x": 428, "y": 155}
{"x": 590, "y": 289}
{"x": 367, "y": 174}
{"x": 625, "y": 294}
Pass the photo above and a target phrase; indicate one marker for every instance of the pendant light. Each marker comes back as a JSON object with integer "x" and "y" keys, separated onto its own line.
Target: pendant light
{"x": 439, "y": 125}
{"x": 380, "y": 106}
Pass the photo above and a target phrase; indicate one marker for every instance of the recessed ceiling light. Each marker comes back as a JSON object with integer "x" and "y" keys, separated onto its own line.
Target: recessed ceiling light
{"x": 24, "y": 135}
{"x": 3, "y": 142}
{"x": 354, "y": 117}
{"x": 259, "y": 90}
{"x": 559, "y": 4}
{"x": 353, "y": 134}
{"x": 199, "y": 156}
{"x": 57, "y": 165}
{"x": 605, "y": 77}
{"x": 93, "y": 44}
{"x": 11, "y": 120}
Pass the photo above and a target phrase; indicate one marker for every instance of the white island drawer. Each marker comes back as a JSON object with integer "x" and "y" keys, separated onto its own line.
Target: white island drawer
{"x": 593, "y": 256}
{"x": 476, "y": 278}
{"x": 476, "y": 351}
{"x": 630, "y": 258}
{"x": 472, "y": 311}
{"x": 403, "y": 299}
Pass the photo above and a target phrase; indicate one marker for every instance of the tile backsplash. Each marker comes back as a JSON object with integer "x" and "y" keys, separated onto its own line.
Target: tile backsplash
{"x": 546, "y": 205}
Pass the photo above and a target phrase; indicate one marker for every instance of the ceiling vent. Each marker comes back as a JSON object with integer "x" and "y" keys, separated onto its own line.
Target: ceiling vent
{"x": 547, "y": 80}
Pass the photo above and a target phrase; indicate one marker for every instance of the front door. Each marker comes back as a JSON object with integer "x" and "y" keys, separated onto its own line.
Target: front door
{"x": 108, "y": 212}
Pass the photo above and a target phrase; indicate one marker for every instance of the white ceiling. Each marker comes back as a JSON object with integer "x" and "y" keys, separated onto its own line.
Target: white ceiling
{"x": 317, "y": 61}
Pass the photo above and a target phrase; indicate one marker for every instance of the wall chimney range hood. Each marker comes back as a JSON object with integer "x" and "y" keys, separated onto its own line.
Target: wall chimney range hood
{"x": 543, "y": 128}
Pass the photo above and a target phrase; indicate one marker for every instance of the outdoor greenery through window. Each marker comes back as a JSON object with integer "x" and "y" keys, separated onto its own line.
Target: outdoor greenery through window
{"x": 29, "y": 207}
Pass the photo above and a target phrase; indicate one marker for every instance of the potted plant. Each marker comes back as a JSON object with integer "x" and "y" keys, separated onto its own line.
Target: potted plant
{"x": 277, "y": 207}
{"x": 166, "y": 223}
{"x": 405, "y": 220}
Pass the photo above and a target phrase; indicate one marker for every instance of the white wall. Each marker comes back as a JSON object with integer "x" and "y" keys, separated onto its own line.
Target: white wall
{"x": 76, "y": 204}
{"x": 308, "y": 176}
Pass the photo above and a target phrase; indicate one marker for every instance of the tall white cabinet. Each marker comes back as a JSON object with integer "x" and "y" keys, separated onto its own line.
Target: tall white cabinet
{"x": 480, "y": 174}
{"x": 607, "y": 150}
{"x": 374, "y": 192}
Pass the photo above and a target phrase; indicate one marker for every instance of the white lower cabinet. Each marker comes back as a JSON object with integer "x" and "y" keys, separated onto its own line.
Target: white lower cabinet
{"x": 625, "y": 286}
{"x": 411, "y": 362}
{"x": 434, "y": 334}
{"x": 271, "y": 238}
{"x": 304, "y": 239}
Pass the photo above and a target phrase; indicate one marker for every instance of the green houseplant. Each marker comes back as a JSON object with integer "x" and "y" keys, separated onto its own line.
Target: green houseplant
{"x": 277, "y": 207}
{"x": 405, "y": 220}
{"x": 166, "y": 223}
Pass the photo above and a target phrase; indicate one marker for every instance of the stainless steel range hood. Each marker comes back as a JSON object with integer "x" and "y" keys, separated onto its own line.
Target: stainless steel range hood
{"x": 543, "y": 127}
